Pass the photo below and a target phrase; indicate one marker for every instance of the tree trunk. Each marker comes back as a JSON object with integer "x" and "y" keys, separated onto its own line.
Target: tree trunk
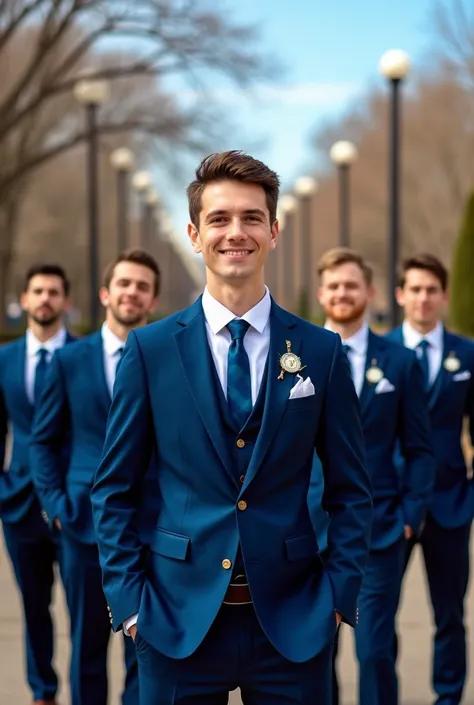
{"x": 9, "y": 211}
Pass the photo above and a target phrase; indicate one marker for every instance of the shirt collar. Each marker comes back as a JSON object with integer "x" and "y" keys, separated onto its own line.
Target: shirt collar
{"x": 112, "y": 343}
{"x": 33, "y": 345}
{"x": 412, "y": 338}
{"x": 218, "y": 316}
{"x": 358, "y": 342}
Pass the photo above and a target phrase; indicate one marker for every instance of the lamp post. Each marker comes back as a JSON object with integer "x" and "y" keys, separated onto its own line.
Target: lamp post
{"x": 288, "y": 206}
{"x": 142, "y": 183}
{"x": 121, "y": 160}
{"x": 92, "y": 93}
{"x": 305, "y": 188}
{"x": 151, "y": 205}
{"x": 344, "y": 154}
{"x": 395, "y": 66}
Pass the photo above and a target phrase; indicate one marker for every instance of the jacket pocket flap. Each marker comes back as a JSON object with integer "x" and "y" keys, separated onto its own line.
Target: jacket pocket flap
{"x": 299, "y": 547}
{"x": 170, "y": 545}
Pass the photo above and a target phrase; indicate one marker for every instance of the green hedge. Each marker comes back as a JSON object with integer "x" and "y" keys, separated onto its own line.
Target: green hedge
{"x": 461, "y": 307}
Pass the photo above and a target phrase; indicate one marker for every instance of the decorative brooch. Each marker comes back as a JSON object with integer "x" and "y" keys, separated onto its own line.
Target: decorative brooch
{"x": 374, "y": 374}
{"x": 452, "y": 364}
{"x": 289, "y": 362}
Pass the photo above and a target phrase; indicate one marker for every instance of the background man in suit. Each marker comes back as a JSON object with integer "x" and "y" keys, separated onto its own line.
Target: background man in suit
{"x": 448, "y": 363}
{"x": 234, "y": 592}
{"x": 389, "y": 384}
{"x": 32, "y": 545}
{"x": 75, "y": 404}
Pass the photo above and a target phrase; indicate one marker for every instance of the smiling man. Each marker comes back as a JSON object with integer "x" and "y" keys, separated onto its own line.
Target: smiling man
{"x": 73, "y": 410}
{"x": 233, "y": 394}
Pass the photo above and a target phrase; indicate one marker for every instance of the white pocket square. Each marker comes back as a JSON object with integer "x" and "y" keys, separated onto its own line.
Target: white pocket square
{"x": 302, "y": 388}
{"x": 461, "y": 376}
{"x": 384, "y": 386}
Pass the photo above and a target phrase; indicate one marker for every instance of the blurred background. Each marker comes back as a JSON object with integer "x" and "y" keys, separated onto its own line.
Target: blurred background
{"x": 366, "y": 110}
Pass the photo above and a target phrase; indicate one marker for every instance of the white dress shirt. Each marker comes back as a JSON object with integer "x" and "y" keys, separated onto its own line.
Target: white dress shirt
{"x": 112, "y": 345}
{"x": 256, "y": 344}
{"x": 33, "y": 346}
{"x": 412, "y": 338}
{"x": 357, "y": 355}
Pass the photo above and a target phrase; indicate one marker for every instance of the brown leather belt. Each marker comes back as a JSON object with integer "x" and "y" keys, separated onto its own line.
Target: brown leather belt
{"x": 238, "y": 595}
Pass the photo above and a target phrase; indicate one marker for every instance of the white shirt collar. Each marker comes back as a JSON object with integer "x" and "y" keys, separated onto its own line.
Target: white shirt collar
{"x": 112, "y": 343}
{"x": 412, "y": 338}
{"x": 218, "y": 316}
{"x": 33, "y": 345}
{"x": 358, "y": 342}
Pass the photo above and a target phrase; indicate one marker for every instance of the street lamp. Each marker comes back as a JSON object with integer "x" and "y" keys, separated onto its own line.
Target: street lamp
{"x": 305, "y": 188}
{"x": 121, "y": 160}
{"x": 288, "y": 206}
{"x": 343, "y": 154}
{"x": 142, "y": 183}
{"x": 395, "y": 66}
{"x": 92, "y": 93}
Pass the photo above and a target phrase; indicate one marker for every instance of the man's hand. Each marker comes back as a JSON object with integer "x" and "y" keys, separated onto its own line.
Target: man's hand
{"x": 408, "y": 532}
{"x": 133, "y": 631}
{"x": 57, "y": 524}
{"x": 338, "y": 618}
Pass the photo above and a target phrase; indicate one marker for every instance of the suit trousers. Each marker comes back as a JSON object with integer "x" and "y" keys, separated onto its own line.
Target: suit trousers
{"x": 446, "y": 557}
{"x": 91, "y": 629}
{"x": 34, "y": 549}
{"x": 234, "y": 654}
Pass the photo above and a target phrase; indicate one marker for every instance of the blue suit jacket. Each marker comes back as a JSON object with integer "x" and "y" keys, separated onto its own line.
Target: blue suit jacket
{"x": 75, "y": 405}
{"x": 390, "y": 420}
{"x": 450, "y": 400}
{"x": 163, "y": 399}
{"x": 17, "y": 493}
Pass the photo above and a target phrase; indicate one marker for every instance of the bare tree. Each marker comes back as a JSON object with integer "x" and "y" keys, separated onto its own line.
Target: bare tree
{"x": 44, "y": 45}
{"x": 452, "y": 27}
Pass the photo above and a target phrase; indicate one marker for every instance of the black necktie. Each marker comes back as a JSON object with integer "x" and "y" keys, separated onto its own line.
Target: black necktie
{"x": 347, "y": 349}
{"x": 422, "y": 352}
{"x": 40, "y": 373}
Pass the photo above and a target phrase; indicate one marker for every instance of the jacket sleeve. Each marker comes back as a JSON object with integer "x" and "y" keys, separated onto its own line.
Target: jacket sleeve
{"x": 128, "y": 447}
{"x": 49, "y": 437}
{"x": 347, "y": 493}
{"x": 414, "y": 434}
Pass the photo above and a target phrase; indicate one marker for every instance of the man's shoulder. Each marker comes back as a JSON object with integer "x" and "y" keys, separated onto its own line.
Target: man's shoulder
{"x": 79, "y": 347}
{"x": 307, "y": 329}
{"x": 393, "y": 349}
{"x": 12, "y": 347}
{"x": 161, "y": 330}
{"x": 459, "y": 341}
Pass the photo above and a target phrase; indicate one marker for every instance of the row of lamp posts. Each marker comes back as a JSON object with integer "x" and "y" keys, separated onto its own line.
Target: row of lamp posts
{"x": 92, "y": 93}
{"x": 395, "y": 66}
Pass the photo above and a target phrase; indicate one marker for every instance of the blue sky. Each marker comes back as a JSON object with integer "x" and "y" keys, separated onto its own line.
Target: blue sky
{"x": 330, "y": 51}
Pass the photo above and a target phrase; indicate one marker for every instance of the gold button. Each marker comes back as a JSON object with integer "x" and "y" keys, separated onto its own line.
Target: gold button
{"x": 240, "y": 443}
{"x": 242, "y": 505}
{"x": 242, "y": 478}
{"x": 226, "y": 564}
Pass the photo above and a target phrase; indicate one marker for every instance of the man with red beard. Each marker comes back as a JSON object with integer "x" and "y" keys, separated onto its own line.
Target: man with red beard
{"x": 33, "y": 547}
{"x": 75, "y": 404}
{"x": 389, "y": 384}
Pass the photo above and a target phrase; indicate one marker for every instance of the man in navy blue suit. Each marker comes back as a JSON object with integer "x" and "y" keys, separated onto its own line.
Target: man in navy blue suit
{"x": 74, "y": 405}
{"x": 448, "y": 364}
{"x": 233, "y": 395}
{"x": 389, "y": 384}
{"x": 33, "y": 546}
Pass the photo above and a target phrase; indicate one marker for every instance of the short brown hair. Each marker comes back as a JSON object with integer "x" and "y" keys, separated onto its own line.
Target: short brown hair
{"x": 236, "y": 166}
{"x": 343, "y": 255}
{"x": 49, "y": 270}
{"x": 427, "y": 262}
{"x": 137, "y": 256}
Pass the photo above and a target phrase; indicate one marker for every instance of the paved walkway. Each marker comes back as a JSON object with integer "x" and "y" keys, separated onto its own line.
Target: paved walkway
{"x": 414, "y": 623}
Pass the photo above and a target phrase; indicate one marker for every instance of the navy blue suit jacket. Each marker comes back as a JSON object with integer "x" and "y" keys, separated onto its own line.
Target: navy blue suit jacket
{"x": 396, "y": 419}
{"x": 164, "y": 399}
{"x": 17, "y": 493}
{"x": 450, "y": 401}
{"x": 75, "y": 405}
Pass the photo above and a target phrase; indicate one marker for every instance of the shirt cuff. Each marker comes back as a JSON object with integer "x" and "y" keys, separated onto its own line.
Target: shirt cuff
{"x": 129, "y": 623}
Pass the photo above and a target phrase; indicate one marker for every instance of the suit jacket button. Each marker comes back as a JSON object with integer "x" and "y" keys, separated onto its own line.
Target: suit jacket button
{"x": 226, "y": 564}
{"x": 242, "y": 478}
{"x": 242, "y": 505}
{"x": 240, "y": 443}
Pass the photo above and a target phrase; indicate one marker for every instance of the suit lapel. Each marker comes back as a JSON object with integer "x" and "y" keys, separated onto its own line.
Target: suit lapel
{"x": 98, "y": 371}
{"x": 196, "y": 361}
{"x": 20, "y": 376}
{"x": 375, "y": 358}
{"x": 278, "y": 391}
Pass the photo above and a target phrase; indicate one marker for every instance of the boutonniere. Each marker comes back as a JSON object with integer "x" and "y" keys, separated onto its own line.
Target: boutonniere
{"x": 452, "y": 363}
{"x": 289, "y": 362}
{"x": 374, "y": 374}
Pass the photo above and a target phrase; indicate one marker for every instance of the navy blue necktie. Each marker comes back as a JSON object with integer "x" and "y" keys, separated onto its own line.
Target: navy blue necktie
{"x": 347, "y": 349}
{"x": 422, "y": 352}
{"x": 40, "y": 373}
{"x": 239, "y": 388}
